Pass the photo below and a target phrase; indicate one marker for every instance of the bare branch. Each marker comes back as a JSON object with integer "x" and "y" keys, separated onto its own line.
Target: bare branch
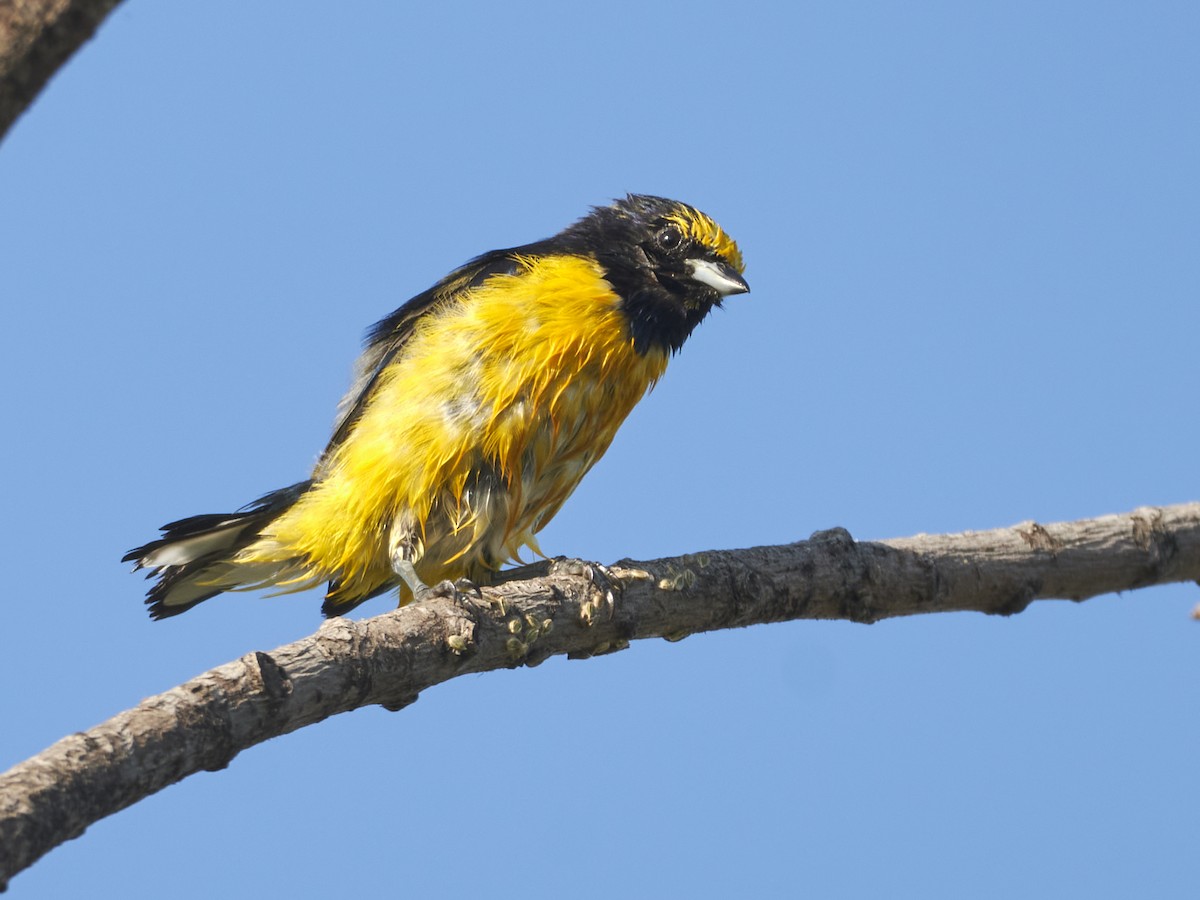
{"x": 36, "y": 38}
{"x": 390, "y": 659}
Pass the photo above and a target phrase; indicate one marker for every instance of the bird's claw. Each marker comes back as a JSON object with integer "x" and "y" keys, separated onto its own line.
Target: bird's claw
{"x": 599, "y": 575}
{"x": 457, "y": 591}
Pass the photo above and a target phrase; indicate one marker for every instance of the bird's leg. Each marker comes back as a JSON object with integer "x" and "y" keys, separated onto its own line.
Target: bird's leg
{"x": 420, "y": 590}
{"x": 406, "y": 546}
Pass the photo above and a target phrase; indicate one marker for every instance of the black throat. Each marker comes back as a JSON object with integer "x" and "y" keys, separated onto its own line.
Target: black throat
{"x": 660, "y": 316}
{"x": 662, "y": 305}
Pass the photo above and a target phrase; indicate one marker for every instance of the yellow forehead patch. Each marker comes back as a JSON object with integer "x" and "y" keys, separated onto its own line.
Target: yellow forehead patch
{"x": 707, "y": 233}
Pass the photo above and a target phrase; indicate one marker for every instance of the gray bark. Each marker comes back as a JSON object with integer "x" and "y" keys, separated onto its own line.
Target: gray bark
{"x": 388, "y": 660}
{"x": 36, "y": 38}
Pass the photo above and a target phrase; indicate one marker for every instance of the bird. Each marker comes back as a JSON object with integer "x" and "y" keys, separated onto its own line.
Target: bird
{"x": 475, "y": 410}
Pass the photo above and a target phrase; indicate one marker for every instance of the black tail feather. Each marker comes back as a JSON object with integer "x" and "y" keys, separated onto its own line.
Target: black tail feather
{"x": 229, "y": 534}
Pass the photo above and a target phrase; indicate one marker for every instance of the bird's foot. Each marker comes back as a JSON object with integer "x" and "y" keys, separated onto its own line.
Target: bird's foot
{"x": 459, "y": 591}
{"x": 607, "y": 583}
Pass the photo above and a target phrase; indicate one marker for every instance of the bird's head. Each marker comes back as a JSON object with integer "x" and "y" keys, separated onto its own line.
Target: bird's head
{"x": 670, "y": 264}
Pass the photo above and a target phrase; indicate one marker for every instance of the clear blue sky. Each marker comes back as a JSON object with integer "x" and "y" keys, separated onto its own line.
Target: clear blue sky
{"x": 972, "y": 233}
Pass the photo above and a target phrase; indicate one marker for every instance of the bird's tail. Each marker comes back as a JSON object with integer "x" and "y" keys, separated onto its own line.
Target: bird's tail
{"x": 194, "y": 558}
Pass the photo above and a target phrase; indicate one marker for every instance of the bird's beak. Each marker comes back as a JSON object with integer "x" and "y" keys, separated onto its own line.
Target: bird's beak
{"x": 721, "y": 277}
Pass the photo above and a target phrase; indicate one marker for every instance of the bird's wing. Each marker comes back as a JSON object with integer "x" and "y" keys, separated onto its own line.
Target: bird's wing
{"x": 387, "y": 338}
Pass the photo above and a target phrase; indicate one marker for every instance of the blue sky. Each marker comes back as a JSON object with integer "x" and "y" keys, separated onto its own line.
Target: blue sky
{"x": 971, "y": 231}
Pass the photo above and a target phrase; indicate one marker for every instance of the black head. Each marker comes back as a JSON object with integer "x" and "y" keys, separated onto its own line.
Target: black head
{"x": 669, "y": 263}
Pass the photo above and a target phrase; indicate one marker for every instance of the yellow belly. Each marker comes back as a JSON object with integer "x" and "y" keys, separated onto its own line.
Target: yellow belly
{"x": 474, "y": 436}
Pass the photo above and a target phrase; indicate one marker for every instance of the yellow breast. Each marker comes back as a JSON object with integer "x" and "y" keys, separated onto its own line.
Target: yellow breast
{"x": 477, "y": 432}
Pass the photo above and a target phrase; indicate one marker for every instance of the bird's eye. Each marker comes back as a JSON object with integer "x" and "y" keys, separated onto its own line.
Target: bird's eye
{"x": 669, "y": 237}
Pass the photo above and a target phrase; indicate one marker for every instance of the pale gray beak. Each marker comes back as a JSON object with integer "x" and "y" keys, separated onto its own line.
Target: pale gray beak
{"x": 722, "y": 278}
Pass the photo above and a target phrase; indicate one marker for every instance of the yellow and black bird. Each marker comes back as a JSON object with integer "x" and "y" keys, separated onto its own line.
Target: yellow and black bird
{"x": 476, "y": 409}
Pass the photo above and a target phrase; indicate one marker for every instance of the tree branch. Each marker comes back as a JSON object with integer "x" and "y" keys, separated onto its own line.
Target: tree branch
{"x": 36, "y": 38}
{"x": 388, "y": 660}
